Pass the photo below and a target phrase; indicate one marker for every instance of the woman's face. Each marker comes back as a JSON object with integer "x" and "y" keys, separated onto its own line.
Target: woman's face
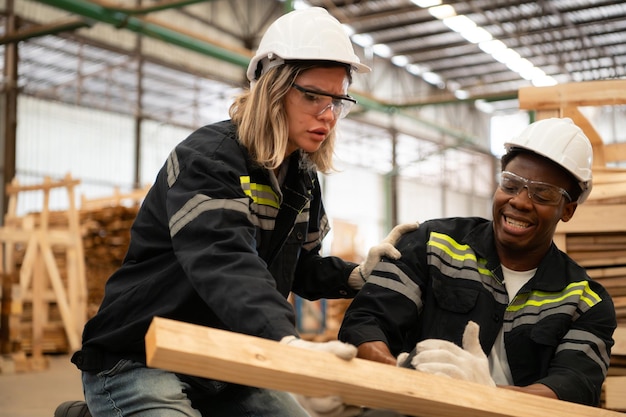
{"x": 307, "y": 130}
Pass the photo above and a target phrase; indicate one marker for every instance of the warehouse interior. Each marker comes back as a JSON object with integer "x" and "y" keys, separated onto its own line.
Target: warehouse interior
{"x": 96, "y": 93}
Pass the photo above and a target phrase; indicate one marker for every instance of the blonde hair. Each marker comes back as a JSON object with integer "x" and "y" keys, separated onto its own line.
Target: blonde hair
{"x": 261, "y": 118}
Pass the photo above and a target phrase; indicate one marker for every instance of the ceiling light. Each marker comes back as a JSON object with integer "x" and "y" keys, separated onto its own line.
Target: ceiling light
{"x": 426, "y": 3}
{"x": 477, "y": 35}
{"x": 432, "y": 78}
{"x": 492, "y": 46}
{"x": 363, "y": 40}
{"x": 519, "y": 65}
{"x": 382, "y": 50}
{"x": 506, "y": 55}
{"x": 459, "y": 23}
{"x": 400, "y": 60}
{"x": 415, "y": 69}
{"x": 443, "y": 11}
{"x": 530, "y": 73}
{"x": 461, "y": 94}
{"x": 544, "y": 81}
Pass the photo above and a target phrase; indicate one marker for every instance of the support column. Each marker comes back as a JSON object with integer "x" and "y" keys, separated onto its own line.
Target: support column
{"x": 8, "y": 108}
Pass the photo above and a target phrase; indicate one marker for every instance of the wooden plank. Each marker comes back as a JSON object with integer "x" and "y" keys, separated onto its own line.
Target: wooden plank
{"x": 561, "y": 241}
{"x": 607, "y": 272}
{"x": 596, "y": 141}
{"x": 615, "y": 152}
{"x": 620, "y": 341}
{"x": 232, "y": 357}
{"x": 607, "y": 191}
{"x": 593, "y": 93}
{"x": 596, "y": 218}
{"x": 581, "y": 121}
{"x": 615, "y": 393}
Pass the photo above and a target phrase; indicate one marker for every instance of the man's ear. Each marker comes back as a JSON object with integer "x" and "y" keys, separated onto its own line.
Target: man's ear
{"x": 568, "y": 211}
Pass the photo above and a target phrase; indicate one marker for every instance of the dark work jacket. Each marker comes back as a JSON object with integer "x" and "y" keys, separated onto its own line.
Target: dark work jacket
{"x": 217, "y": 242}
{"x": 557, "y": 330}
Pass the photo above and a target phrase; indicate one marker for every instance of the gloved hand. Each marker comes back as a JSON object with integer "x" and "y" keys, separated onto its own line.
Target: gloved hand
{"x": 343, "y": 350}
{"x": 441, "y": 357}
{"x": 331, "y": 406}
{"x": 387, "y": 248}
{"x": 401, "y": 358}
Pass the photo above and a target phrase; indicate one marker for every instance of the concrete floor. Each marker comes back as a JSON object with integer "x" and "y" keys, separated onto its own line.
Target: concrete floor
{"x": 37, "y": 393}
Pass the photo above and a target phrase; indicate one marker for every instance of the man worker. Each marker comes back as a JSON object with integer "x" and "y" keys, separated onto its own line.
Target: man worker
{"x": 495, "y": 301}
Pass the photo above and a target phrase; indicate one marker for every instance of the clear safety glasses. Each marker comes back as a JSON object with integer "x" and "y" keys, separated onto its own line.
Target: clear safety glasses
{"x": 539, "y": 192}
{"x": 316, "y": 103}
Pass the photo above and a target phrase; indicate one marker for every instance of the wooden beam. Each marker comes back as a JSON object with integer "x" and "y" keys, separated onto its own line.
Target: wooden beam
{"x": 594, "y": 137}
{"x": 615, "y": 152}
{"x": 620, "y": 341}
{"x": 614, "y": 389}
{"x": 596, "y": 218}
{"x": 594, "y": 93}
{"x": 232, "y": 357}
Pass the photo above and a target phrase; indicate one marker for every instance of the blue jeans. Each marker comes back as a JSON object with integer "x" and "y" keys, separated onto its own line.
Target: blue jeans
{"x": 131, "y": 389}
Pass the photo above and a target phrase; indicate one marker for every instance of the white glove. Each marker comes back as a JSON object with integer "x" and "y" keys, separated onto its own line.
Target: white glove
{"x": 401, "y": 358}
{"x": 343, "y": 350}
{"x": 387, "y": 248}
{"x": 441, "y": 357}
{"x": 331, "y": 406}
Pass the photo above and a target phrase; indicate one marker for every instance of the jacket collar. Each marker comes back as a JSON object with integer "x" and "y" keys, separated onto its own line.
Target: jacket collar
{"x": 551, "y": 273}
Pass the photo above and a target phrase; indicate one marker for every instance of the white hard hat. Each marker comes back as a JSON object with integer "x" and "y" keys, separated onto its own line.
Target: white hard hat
{"x": 561, "y": 141}
{"x": 306, "y": 34}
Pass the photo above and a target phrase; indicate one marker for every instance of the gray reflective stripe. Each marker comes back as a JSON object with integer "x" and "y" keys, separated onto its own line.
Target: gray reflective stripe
{"x": 303, "y": 216}
{"x": 315, "y": 239}
{"x": 459, "y": 261}
{"x": 534, "y": 306}
{"x": 264, "y": 210}
{"x": 586, "y": 349}
{"x": 577, "y": 294}
{"x": 405, "y": 286}
{"x": 533, "y": 315}
{"x": 265, "y": 224}
{"x": 594, "y": 340}
{"x": 173, "y": 168}
{"x": 201, "y": 203}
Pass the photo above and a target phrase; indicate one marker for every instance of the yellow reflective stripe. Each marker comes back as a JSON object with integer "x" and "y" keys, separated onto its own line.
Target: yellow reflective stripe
{"x": 586, "y": 294}
{"x": 257, "y": 191}
{"x": 461, "y": 248}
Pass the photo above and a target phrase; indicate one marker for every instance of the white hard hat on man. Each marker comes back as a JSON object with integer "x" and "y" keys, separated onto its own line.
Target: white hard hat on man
{"x": 307, "y": 34}
{"x": 564, "y": 143}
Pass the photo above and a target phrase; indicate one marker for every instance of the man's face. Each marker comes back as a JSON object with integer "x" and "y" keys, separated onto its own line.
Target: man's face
{"x": 523, "y": 226}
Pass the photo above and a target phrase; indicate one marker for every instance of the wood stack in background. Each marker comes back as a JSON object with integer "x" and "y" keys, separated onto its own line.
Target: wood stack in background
{"x": 596, "y": 235}
{"x": 106, "y": 235}
{"x": 69, "y": 255}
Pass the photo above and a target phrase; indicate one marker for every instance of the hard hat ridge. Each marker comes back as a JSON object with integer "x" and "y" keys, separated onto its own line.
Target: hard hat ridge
{"x": 310, "y": 34}
{"x": 561, "y": 141}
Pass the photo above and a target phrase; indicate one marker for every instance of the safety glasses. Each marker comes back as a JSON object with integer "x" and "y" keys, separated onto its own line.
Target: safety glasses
{"x": 315, "y": 103}
{"x": 540, "y": 192}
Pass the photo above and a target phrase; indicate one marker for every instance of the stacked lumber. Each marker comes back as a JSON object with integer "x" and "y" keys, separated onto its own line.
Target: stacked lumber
{"x": 596, "y": 236}
{"x": 50, "y": 291}
{"x": 72, "y": 247}
{"x": 106, "y": 236}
